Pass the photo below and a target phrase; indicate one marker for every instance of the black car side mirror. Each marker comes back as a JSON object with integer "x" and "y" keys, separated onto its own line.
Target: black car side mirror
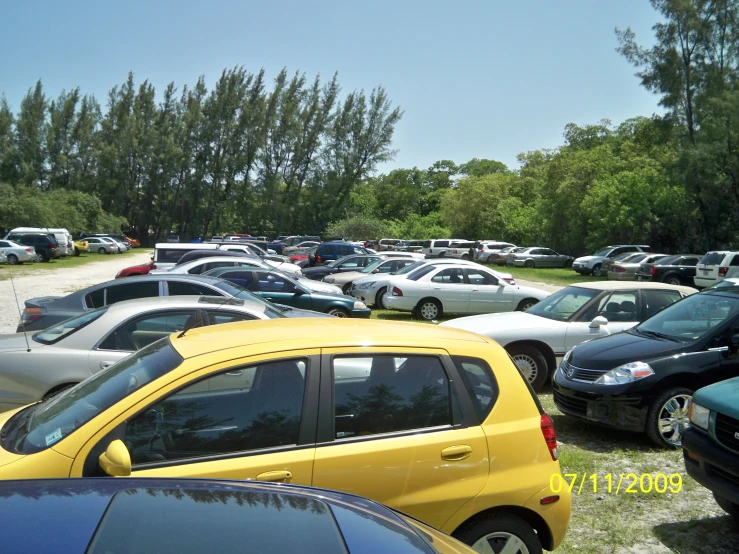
{"x": 735, "y": 341}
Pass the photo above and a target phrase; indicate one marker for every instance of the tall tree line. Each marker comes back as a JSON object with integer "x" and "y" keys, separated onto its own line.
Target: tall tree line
{"x": 246, "y": 155}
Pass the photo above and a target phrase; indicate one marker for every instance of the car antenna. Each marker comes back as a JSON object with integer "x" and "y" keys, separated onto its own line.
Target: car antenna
{"x": 23, "y": 323}
{"x": 199, "y": 321}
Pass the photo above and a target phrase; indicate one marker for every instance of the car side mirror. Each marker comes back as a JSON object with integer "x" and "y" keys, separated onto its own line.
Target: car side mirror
{"x": 597, "y": 322}
{"x": 116, "y": 460}
{"x": 300, "y": 291}
{"x": 375, "y": 271}
{"x": 735, "y": 341}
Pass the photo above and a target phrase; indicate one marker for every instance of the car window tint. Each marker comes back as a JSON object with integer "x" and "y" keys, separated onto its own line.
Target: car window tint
{"x": 358, "y": 250}
{"x": 657, "y": 300}
{"x": 479, "y": 277}
{"x": 549, "y": 252}
{"x": 712, "y": 258}
{"x": 479, "y": 381}
{"x": 4, "y": 244}
{"x": 219, "y": 317}
{"x": 735, "y": 260}
{"x": 269, "y": 282}
{"x": 119, "y": 293}
{"x": 329, "y": 250}
{"x": 242, "y": 278}
{"x": 441, "y": 244}
{"x": 142, "y": 331}
{"x": 384, "y": 394}
{"x": 353, "y": 262}
{"x": 449, "y": 276}
{"x": 243, "y": 409}
{"x": 420, "y": 272}
{"x": 689, "y": 262}
{"x": 180, "y": 288}
{"x": 95, "y": 299}
{"x": 619, "y": 306}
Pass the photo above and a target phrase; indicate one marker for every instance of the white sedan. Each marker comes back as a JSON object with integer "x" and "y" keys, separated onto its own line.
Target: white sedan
{"x": 461, "y": 289}
{"x": 570, "y": 316}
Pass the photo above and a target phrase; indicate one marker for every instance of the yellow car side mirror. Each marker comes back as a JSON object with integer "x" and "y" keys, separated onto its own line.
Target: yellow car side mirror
{"x": 116, "y": 460}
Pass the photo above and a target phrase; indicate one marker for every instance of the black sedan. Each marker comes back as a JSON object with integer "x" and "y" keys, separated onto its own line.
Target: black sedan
{"x": 347, "y": 263}
{"x": 643, "y": 379}
{"x": 673, "y": 270}
{"x": 43, "y": 312}
{"x": 191, "y": 516}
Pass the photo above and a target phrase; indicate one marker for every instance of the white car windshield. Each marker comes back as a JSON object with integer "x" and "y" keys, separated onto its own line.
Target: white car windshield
{"x": 563, "y": 304}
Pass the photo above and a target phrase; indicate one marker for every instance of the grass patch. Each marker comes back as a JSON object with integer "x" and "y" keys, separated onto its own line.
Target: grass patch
{"x": 31, "y": 268}
{"x": 552, "y": 276}
{"x": 393, "y": 315}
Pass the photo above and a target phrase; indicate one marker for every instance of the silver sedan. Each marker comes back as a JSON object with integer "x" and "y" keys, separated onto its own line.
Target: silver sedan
{"x": 14, "y": 253}
{"x": 35, "y": 367}
{"x": 538, "y": 257}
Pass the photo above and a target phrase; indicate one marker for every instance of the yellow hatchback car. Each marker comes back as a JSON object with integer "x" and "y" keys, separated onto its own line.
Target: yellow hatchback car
{"x": 433, "y": 421}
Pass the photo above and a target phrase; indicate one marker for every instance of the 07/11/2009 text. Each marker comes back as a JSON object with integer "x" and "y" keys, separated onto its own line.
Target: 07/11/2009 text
{"x": 625, "y": 483}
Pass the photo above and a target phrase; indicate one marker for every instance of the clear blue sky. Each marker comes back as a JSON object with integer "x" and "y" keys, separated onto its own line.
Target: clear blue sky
{"x": 482, "y": 78}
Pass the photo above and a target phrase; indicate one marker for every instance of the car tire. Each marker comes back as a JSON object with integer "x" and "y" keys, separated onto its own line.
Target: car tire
{"x": 727, "y": 506}
{"x": 338, "y": 312}
{"x": 466, "y": 257}
{"x": 596, "y": 270}
{"x": 671, "y": 401}
{"x": 499, "y": 531}
{"x": 379, "y": 303}
{"x": 568, "y": 263}
{"x": 525, "y": 304}
{"x": 346, "y": 289}
{"x": 529, "y": 263}
{"x": 76, "y": 251}
{"x": 672, "y": 280}
{"x": 532, "y": 364}
{"x": 37, "y": 257}
{"x": 12, "y": 259}
{"x": 428, "y": 309}
{"x": 101, "y": 250}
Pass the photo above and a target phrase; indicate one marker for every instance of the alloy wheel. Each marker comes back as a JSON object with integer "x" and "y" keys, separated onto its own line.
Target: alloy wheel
{"x": 527, "y": 365}
{"x": 673, "y": 419}
{"x": 337, "y": 312}
{"x": 500, "y": 543}
{"x": 673, "y": 281}
{"x": 12, "y": 259}
{"x": 38, "y": 257}
{"x": 429, "y": 310}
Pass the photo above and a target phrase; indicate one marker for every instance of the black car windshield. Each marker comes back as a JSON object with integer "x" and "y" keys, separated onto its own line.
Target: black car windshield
{"x": 563, "y": 304}
{"x": 55, "y": 419}
{"x": 68, "y": 326}
{"x": 692, "y": 318}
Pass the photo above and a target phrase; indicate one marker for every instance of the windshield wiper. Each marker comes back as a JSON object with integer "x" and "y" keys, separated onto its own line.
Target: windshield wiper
{"x": 656, "y": 335}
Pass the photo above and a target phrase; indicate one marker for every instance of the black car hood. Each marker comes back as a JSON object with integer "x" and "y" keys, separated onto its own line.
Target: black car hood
{"x": 614, "y": 350}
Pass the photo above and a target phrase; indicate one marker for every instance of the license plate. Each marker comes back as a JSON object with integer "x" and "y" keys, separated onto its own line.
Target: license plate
{"x": 705, "y": 272}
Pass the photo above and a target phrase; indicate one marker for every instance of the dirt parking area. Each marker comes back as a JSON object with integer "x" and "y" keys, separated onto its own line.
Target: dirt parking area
{"x": 58, "y": 282}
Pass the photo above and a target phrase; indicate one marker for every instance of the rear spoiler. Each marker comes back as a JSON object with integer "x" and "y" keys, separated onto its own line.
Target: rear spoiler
{"x": 41, "y": 301}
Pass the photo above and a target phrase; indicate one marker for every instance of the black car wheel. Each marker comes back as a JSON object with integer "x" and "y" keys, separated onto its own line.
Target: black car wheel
{"x": 727, "y": 506}
{"x": 37, "y": 257}
{"x": 379, "y": 302}
{"x": 596, "y": 270}
{"x": 466, "y": 257}
{"x": 532, "y": 364}
{"x": 672, "y": 280}
{"x": 76, "y": 251}
{"x": 346, "y": 289}
{"x": 568, "y": 263}
{"x": 668, "y": 417}
{"x": 529, "y": 263}
{"x": 526, "y": 304}
{"x": 101, "y": 250}
{"x": 338, "y": 312}
{"x": 12, "y": 259}
{"x": 499, "y": 533}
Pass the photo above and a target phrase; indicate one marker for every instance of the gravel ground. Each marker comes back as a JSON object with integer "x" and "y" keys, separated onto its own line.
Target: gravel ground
{"x": 58, "y": 282}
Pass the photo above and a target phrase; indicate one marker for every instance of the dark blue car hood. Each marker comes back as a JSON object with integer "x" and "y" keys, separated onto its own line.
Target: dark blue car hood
{"x": 614, "y": 350}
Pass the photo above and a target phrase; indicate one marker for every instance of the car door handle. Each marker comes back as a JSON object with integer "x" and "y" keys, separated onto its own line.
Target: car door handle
{"x": 456, "y": 453}
{"x": 105, "y": 364}
{"x": 276, "y": 476}
{"x": 237, "y": 372}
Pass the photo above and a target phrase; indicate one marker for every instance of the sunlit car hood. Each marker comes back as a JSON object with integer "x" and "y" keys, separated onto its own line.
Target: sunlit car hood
{"x": 586, "y": 259}
{"x": 504, "y": 324}
{"x": 318, "y": 286}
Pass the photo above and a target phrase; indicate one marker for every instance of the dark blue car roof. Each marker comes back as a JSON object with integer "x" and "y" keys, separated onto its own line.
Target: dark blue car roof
{"x": 62, "y": 515}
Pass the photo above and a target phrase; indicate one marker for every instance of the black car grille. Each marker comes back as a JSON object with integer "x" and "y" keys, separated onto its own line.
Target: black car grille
{"x": 569, "y": 404}
{"x": 579, "y": 373}
{"x": 724, "y": 474}
{"x": 727, "y": 431}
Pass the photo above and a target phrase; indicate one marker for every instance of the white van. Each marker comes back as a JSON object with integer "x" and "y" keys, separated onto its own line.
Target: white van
{"x": 437, "y": 248}
{"x": 63, "y": 237}
{"x": 716, "y": 266}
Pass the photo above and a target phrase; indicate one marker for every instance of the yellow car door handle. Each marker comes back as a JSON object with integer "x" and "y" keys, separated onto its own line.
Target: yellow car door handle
{"x": 277, "y": 476}
{"x": 456, "y": 452}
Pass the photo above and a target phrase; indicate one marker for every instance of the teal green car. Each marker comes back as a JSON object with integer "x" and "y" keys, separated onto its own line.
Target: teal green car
{"x": 279, "y": 288}
{"x": 711, "y": 444}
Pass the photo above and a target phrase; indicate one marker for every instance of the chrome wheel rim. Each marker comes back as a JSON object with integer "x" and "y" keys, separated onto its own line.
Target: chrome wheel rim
{"x": 101, "y": 250}
{"x": 37, "y": 258}
{"x": 673, "y": 281}
{"x": 596, "y": 271}
{"x": 380, "y": 301}
{"x": 336, "y": 313}
{"x": 12, "y": 260}
{"x": 429, "y": 310}
{"x": 673, "y": 419}
{"x": 527, "y": 365}
{"x": 500, "y": 543}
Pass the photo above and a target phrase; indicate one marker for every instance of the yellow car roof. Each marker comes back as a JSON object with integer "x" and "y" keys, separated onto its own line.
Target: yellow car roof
{"x": 275, "y": 334}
